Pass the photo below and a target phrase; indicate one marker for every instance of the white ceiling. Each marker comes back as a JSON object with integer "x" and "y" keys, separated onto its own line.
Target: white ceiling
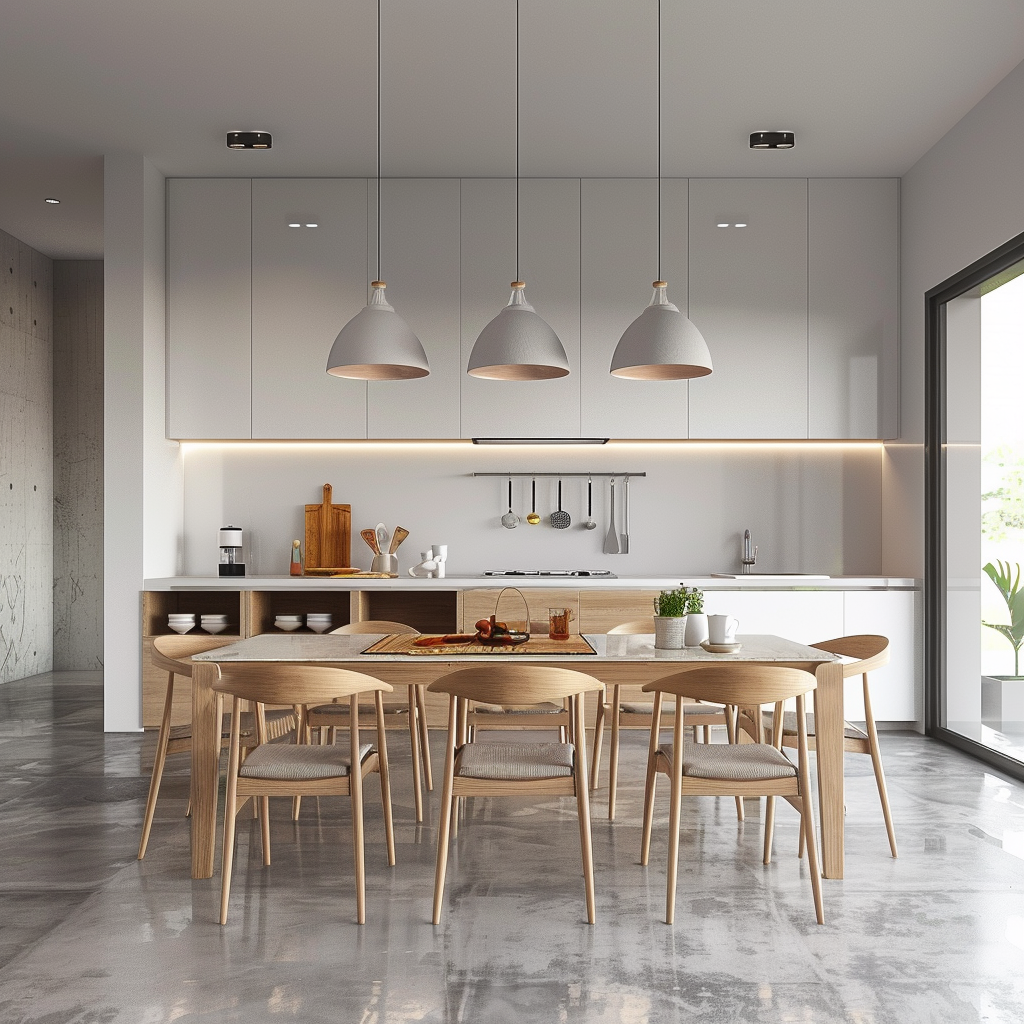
{"x": 868, "y": 87}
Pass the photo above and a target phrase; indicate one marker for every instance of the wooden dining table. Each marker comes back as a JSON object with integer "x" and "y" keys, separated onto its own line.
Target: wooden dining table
{"x": 626, "y": 660}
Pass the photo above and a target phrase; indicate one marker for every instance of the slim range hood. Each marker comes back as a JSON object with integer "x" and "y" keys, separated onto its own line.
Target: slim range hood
{"x": 540, "y": 440}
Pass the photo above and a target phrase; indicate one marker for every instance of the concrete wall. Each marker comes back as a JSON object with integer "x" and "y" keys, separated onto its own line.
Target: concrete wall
{"x": 78, "y": 464}
{"x": 26, "y": 461}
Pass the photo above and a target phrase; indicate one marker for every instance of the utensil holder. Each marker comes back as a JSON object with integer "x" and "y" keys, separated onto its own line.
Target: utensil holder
{"x": 669, "y": 631}
{"x": 384, "y": 563}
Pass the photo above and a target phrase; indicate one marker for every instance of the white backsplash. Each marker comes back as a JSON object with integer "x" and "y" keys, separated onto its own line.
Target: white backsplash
{"x": 809, "y": 507}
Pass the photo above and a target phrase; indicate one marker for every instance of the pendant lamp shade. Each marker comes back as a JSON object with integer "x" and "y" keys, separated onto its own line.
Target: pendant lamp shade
{"x": 377, "y": 344}
{"x": 518, "y": 345}
{"x": 661, "y": 344}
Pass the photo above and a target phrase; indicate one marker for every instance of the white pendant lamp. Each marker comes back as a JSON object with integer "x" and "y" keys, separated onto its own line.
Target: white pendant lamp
{"x": 518, "y": 344}
{"x": 377, "y": 344}
{"x": 661, "y": 343}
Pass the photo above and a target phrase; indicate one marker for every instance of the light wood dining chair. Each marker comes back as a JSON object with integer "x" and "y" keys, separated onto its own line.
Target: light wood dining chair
{"x": 868, "y": 651}
{"x": 334, "y": 716}
{"x": 278, "y": 769}
{"x": 719, "y": 769}
{"x": 699, "y": 716}
{"x": 173, "y": 654}
{"x": 502, "y": 768}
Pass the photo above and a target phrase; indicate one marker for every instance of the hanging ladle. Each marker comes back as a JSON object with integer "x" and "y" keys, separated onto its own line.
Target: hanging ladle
{"x": 533, "y": 519}
{"x": 590, "y": 524}
{"x": 510, "y": 520}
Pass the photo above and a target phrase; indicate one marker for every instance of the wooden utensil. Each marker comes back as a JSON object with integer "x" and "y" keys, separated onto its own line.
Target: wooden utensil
{"x": 399, "y": 535}
{"x": 370, "y": 536}
{"x": 328, "y": 533}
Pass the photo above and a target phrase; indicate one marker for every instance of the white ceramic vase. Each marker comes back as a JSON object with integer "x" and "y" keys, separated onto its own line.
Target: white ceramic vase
{"x": 669, "y": 631}
{"x": 696, "y": 629}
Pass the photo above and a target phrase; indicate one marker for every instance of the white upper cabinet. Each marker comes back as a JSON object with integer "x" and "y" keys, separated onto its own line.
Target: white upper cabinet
{"x": 307, "y": 283}
{"x": 208, "y": 308}
{"x": 549, "y": 262}
{"x": 420, "y": 262}
{"x": 619, "y": 262}
{"x": 853, "y": 285}
{"x": 748, "y": 297}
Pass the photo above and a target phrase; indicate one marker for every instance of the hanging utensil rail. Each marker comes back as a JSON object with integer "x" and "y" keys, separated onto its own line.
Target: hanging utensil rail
{"x": 630, "y": 473}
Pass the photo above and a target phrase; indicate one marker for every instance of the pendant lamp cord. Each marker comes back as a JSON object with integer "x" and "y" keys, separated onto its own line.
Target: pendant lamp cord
{"x": 378, "y": 132}
{"x": 518, "y": 278}
{"x": 660, "y": 278}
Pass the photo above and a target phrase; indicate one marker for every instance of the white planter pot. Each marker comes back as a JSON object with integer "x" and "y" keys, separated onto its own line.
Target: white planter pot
{"x": 669, "y": 632}
{"x": 696, "y": 629}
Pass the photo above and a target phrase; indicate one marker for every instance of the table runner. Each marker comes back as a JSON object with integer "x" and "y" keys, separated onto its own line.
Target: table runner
{"x": 403, "y": 643}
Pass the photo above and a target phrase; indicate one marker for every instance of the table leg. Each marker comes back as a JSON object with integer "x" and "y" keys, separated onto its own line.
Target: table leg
{"x": 828, "y": 729}
{"x": 205, "y": 768}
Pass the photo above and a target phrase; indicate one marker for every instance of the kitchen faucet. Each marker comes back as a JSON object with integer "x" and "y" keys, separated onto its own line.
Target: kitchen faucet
{"x": 749, "y": 555}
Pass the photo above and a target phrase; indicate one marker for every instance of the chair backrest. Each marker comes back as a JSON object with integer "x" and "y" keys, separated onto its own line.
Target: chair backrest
{"x": 736, "y": 683}
{"x": 375, "y": 626}
{"x": 515, "y": 684}
{"x": 294, "y": 683}
{"x": 870, "y": 650}
{"x": 174, "y": 653}
{"x": 634, "y": 627}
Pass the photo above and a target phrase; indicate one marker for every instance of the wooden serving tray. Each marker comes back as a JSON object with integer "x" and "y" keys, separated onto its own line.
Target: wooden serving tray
{"x": 403, "y": 643}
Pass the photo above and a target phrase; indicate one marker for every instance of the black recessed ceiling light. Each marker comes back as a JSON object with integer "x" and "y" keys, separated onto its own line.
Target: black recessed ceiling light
{"x": 52, "y": 201}
{"x": 772, "y": 140}
{"x": 250, "y": 140}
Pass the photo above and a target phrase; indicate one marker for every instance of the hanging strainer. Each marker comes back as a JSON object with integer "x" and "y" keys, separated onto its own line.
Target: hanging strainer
{"x": 560, "y": 520}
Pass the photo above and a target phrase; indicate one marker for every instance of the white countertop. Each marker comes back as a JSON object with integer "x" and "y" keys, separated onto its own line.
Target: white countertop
{"x": 449, "y": 583}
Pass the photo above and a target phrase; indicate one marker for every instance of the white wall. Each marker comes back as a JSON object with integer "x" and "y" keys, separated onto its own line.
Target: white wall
{"x": 141, "y": 503}
{"x": 961, "y": 200}
{"x": 812, "y": 508}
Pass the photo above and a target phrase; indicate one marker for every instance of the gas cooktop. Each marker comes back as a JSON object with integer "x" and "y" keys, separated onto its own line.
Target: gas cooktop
{"x": 552, "y": 572}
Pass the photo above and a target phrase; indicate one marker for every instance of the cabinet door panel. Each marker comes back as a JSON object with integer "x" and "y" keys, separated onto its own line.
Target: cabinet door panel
{"x": 748, "y": 297}
{"x": 209, "y": 308}
{"x": 619, "y": 261}
{"x": 549, "y": 262}
{"x": 420, "y": 262}
{"x": 803, "y": 616}
{"x": 307, "y": 284}
{"x": 853, "y": 277}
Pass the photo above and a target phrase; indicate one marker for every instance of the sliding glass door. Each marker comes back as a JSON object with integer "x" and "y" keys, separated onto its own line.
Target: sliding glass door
{"x": 975, "y": 487}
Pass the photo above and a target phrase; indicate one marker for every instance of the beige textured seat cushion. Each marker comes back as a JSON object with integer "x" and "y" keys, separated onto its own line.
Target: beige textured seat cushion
{"x": 546, "y": 708}
{"x": 669, "y": 708}
{"x": 299, "y": 763}
{"x": 342, "y": 710}
{"x": 741, "y": 762}
{"x": 515, "y": 761}
{"x": 850, "y": 731}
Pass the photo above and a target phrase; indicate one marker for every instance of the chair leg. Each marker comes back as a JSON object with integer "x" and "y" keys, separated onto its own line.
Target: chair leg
{"x": 414, "y": 744}
{"x": 421, "y": 708}
{"x": 876, "y": 763}
{"x": 595, "y": 762}
{"x": 265, "y": 827}
{"x": 163, "y": 738}
{"x": 384, "y": 771}
{"x": 645, "y": 841}
{"x": 356, "y": 792}
{"x": 586, "y": 849}
{"x": 707, "y": 733}
{"x": 769, "y": 827}
{"x": 613, "y": 755}
{"x": 732, "y": 731}
{"x": 675, "y": 809}
{"x": 445, "y": 820}
{"x": 230, "y": 811}
{"x": 807, "y": 827}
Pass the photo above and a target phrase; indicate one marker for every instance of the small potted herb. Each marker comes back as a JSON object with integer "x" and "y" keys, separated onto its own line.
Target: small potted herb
{"x": 670, "y": 619}
{"x": 696, "y": 620}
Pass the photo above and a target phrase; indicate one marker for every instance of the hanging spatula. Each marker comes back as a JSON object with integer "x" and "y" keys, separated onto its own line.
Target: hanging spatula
{"x": 611, "y": 540}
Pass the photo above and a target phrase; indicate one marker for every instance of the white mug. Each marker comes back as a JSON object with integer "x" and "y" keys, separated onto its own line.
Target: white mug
{"x": 722, "y": 629}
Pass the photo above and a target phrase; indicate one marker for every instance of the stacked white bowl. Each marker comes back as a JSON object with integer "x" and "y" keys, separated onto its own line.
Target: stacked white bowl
{"x": 181, "y": 622}
{"x": 289, "y": 623}
{"x": 319, "y": 622}
{"x": 213, "y": 623}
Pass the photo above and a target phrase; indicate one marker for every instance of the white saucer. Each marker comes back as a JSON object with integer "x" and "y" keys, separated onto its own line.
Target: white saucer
{"x": 720, "y": 648}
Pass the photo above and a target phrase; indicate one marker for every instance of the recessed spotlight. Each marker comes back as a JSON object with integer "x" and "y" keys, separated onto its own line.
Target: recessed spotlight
{"x": 772, "y": 140}
{"x": 295, "y": 225}
{"x": 250, "y": 140}
{"x": 52, "y": 201}
{"x": 723, "y": 225}
{"x": 312, "y": 225}
{"x": 740, "y": 225}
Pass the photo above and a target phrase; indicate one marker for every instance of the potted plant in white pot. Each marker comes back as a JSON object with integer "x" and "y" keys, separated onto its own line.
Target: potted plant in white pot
{"x": 696, "y": 619}
{"x": 669, "y": 619}
{"x": 1003, "y": 695}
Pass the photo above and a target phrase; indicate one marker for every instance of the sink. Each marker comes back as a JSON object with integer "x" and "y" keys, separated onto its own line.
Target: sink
{"x": 770, "y": 576}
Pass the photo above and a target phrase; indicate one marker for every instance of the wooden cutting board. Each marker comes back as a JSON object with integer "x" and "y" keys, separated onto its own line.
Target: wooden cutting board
{"x": 328, "y": 534}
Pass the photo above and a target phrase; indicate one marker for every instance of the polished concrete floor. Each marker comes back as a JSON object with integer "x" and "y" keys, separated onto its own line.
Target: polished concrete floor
{"x": 88, "y": 934}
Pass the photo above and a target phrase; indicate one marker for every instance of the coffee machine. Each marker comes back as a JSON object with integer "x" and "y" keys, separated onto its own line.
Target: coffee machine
{"x": 229, "y": 538}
